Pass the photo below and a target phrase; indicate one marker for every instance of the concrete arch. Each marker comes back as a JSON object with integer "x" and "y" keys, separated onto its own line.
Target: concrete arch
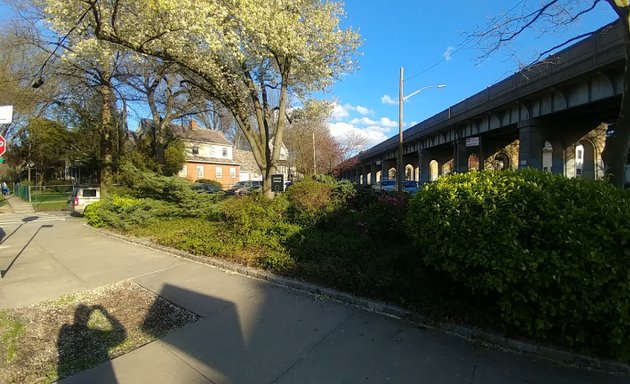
{"x": 501, "y": 161}
{"x": 379, "y": 175}
{"x": 434, "y": 170}
{"x": 391, "y": 173}
{"x": 409, "y": 173}
{"x": 585, "y": 156}
{"x": 473, "y": 162}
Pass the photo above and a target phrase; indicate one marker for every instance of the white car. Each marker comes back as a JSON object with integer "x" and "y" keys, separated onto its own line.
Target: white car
{"x": 82, "y": 197}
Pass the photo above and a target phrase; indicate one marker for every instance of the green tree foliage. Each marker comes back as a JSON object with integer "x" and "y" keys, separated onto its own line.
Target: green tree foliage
{"x": 551, "y": 252}
{"x": 42, "y": 142}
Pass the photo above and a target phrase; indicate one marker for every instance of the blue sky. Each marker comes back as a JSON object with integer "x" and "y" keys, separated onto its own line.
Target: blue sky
{"x": 416, "y": 34}
{"x": 419, "y": 35}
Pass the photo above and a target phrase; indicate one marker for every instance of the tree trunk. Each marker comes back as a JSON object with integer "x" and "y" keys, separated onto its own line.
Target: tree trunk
{"x": 616, "y": 151}
{"x": 106, "y": 171}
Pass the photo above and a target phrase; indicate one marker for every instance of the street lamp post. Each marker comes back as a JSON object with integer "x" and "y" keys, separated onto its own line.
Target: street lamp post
{"x": 401, "y": 99}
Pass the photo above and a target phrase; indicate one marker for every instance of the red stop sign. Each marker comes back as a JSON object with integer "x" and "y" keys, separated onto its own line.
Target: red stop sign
{"x": 3, "y": 145}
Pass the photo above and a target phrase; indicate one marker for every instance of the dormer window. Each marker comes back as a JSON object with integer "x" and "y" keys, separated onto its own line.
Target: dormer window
{"x": 195, "y": 150}
{"x": 225, "y": 152}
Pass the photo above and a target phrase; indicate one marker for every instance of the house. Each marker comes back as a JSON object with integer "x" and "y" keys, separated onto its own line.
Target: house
{"x": 209, "y": 155}
{"x": 249, "y": 168}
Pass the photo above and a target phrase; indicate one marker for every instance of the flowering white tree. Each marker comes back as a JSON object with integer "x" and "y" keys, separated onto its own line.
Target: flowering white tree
{"x": 243, "y": 53}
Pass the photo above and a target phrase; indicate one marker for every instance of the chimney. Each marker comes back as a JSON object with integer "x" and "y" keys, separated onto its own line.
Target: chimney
{"x": 193, "y": 125}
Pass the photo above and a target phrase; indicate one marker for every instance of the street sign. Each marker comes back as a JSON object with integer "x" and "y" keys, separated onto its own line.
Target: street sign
{"x": 3, "y": 145}
{"x": 6, "y": 114}
{"x": 472, "y": 141}
{"x": 277, "y": 182}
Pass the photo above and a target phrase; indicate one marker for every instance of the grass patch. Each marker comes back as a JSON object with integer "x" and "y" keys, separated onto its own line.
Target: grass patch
{"x": 58, "y": 338}
{"x": 10, "y": 332}
{"x": 50, "y": 206}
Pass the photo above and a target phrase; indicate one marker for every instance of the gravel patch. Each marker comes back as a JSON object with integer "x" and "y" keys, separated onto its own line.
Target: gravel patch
{"x": 58, "y": 338}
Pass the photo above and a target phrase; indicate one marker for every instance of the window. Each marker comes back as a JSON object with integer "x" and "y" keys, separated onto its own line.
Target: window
{"x": 579, "y": 154}
{"x": 219, "y": 172}
{"x": 232, "y": 173}
{"x": 225, "y": 152}
{"x": 89, "y": 193}
{"x": 195, "y": 150}
{"x": 200, "y": 171}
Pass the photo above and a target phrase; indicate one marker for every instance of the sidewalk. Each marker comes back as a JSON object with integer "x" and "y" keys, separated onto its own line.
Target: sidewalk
{"x": 18, "y": 205}
{"x": 252, "y": 331}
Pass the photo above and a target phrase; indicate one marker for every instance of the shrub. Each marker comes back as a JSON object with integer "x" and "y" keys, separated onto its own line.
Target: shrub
{"x": 208, "y": 181}
{"x": 553, "y": 253}
{"x": 313, "y": 199}
{"x": 261, "y": 226}
{"x": 124, "y": 212}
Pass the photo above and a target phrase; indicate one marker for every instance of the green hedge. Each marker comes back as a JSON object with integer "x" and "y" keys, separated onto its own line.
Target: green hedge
{"x": 553, "y": 253}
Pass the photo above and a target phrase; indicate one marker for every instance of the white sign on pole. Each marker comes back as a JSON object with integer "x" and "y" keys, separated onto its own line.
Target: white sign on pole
{"x": 472, "y": 141}
{"x": 6, "y": 114}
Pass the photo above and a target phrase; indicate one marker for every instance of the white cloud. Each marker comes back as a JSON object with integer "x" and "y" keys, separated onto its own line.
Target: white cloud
{"x": 374, "y": 134}
{"x": 387, "y": 99}
{"x": 341, "y": 111}
{"x": 448, "y": 53}
{"x": 363, "y": 110}
{"x": 385, "y": 122}
{"x": 363, "y": 121}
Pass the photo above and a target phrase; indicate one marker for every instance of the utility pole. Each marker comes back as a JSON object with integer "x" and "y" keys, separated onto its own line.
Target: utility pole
{"x": 314, "y": 162}
{"x": 399, "y": 163}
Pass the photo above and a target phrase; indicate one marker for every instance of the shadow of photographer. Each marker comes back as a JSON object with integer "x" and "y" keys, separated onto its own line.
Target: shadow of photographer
{"x": 87, "y": 342}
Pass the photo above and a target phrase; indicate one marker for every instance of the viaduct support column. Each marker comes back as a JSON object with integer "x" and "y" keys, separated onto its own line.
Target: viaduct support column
{"x": 460, "y": 156}
{"x": 423, "y": 164}
{"x": 531, "y": 142}
{"x": 372, "y": 173}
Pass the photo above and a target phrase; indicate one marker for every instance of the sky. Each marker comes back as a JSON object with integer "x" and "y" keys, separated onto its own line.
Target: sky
{"x": 424, "y": 37}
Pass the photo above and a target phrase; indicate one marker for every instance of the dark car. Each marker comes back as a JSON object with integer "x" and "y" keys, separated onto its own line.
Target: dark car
{"x": 206, "y": 188}
{"x": 245, "y": 187}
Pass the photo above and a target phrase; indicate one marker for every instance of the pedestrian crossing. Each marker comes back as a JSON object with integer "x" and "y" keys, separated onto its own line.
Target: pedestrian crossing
{"x": 16, "y": 219}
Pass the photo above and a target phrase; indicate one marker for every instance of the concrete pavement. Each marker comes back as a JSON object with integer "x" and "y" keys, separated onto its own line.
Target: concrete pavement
{"x": 251, "y": 331}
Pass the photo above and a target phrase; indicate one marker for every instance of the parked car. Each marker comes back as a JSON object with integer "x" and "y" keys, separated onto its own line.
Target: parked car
{"x": 410, "y": 186}
{"x": 245, "y": 187}
{"x": 206, "y": 188}
{"x": 82, "y": 197}
{"x": 385, "y": 186}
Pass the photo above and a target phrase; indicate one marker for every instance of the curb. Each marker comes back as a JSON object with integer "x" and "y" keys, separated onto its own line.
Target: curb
{"x": 484, "y": 338}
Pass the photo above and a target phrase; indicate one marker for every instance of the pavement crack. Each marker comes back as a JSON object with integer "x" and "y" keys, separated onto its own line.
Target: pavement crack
{"x": 296, "y": 362}
{"x": 175, "y": 355}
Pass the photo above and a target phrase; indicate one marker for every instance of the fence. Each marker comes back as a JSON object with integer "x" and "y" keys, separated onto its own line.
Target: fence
{"x": 53, "y": 197}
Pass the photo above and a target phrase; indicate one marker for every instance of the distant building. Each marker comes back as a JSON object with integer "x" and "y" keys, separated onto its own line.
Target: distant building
{"x": 209, "y": 155}
{"x": 249, "y": 169}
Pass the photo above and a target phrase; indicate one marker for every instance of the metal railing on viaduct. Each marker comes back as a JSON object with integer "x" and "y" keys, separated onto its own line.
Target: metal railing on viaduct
{"x": 552, "y": 115}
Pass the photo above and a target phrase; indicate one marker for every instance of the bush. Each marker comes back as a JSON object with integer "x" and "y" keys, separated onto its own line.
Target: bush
{"x": 208, "y": 181}
{"x": 261, "y": 226}
{"x": 552, "y": 253}
{"x": 124, "y": 212}
{"x": 313, "y": 199}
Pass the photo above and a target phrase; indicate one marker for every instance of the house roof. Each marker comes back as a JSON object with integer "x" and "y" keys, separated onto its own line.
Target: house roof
{"x": 200, "y": 134}
{"x": 209, "y": 160}
{"x": 246, "y": 160}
